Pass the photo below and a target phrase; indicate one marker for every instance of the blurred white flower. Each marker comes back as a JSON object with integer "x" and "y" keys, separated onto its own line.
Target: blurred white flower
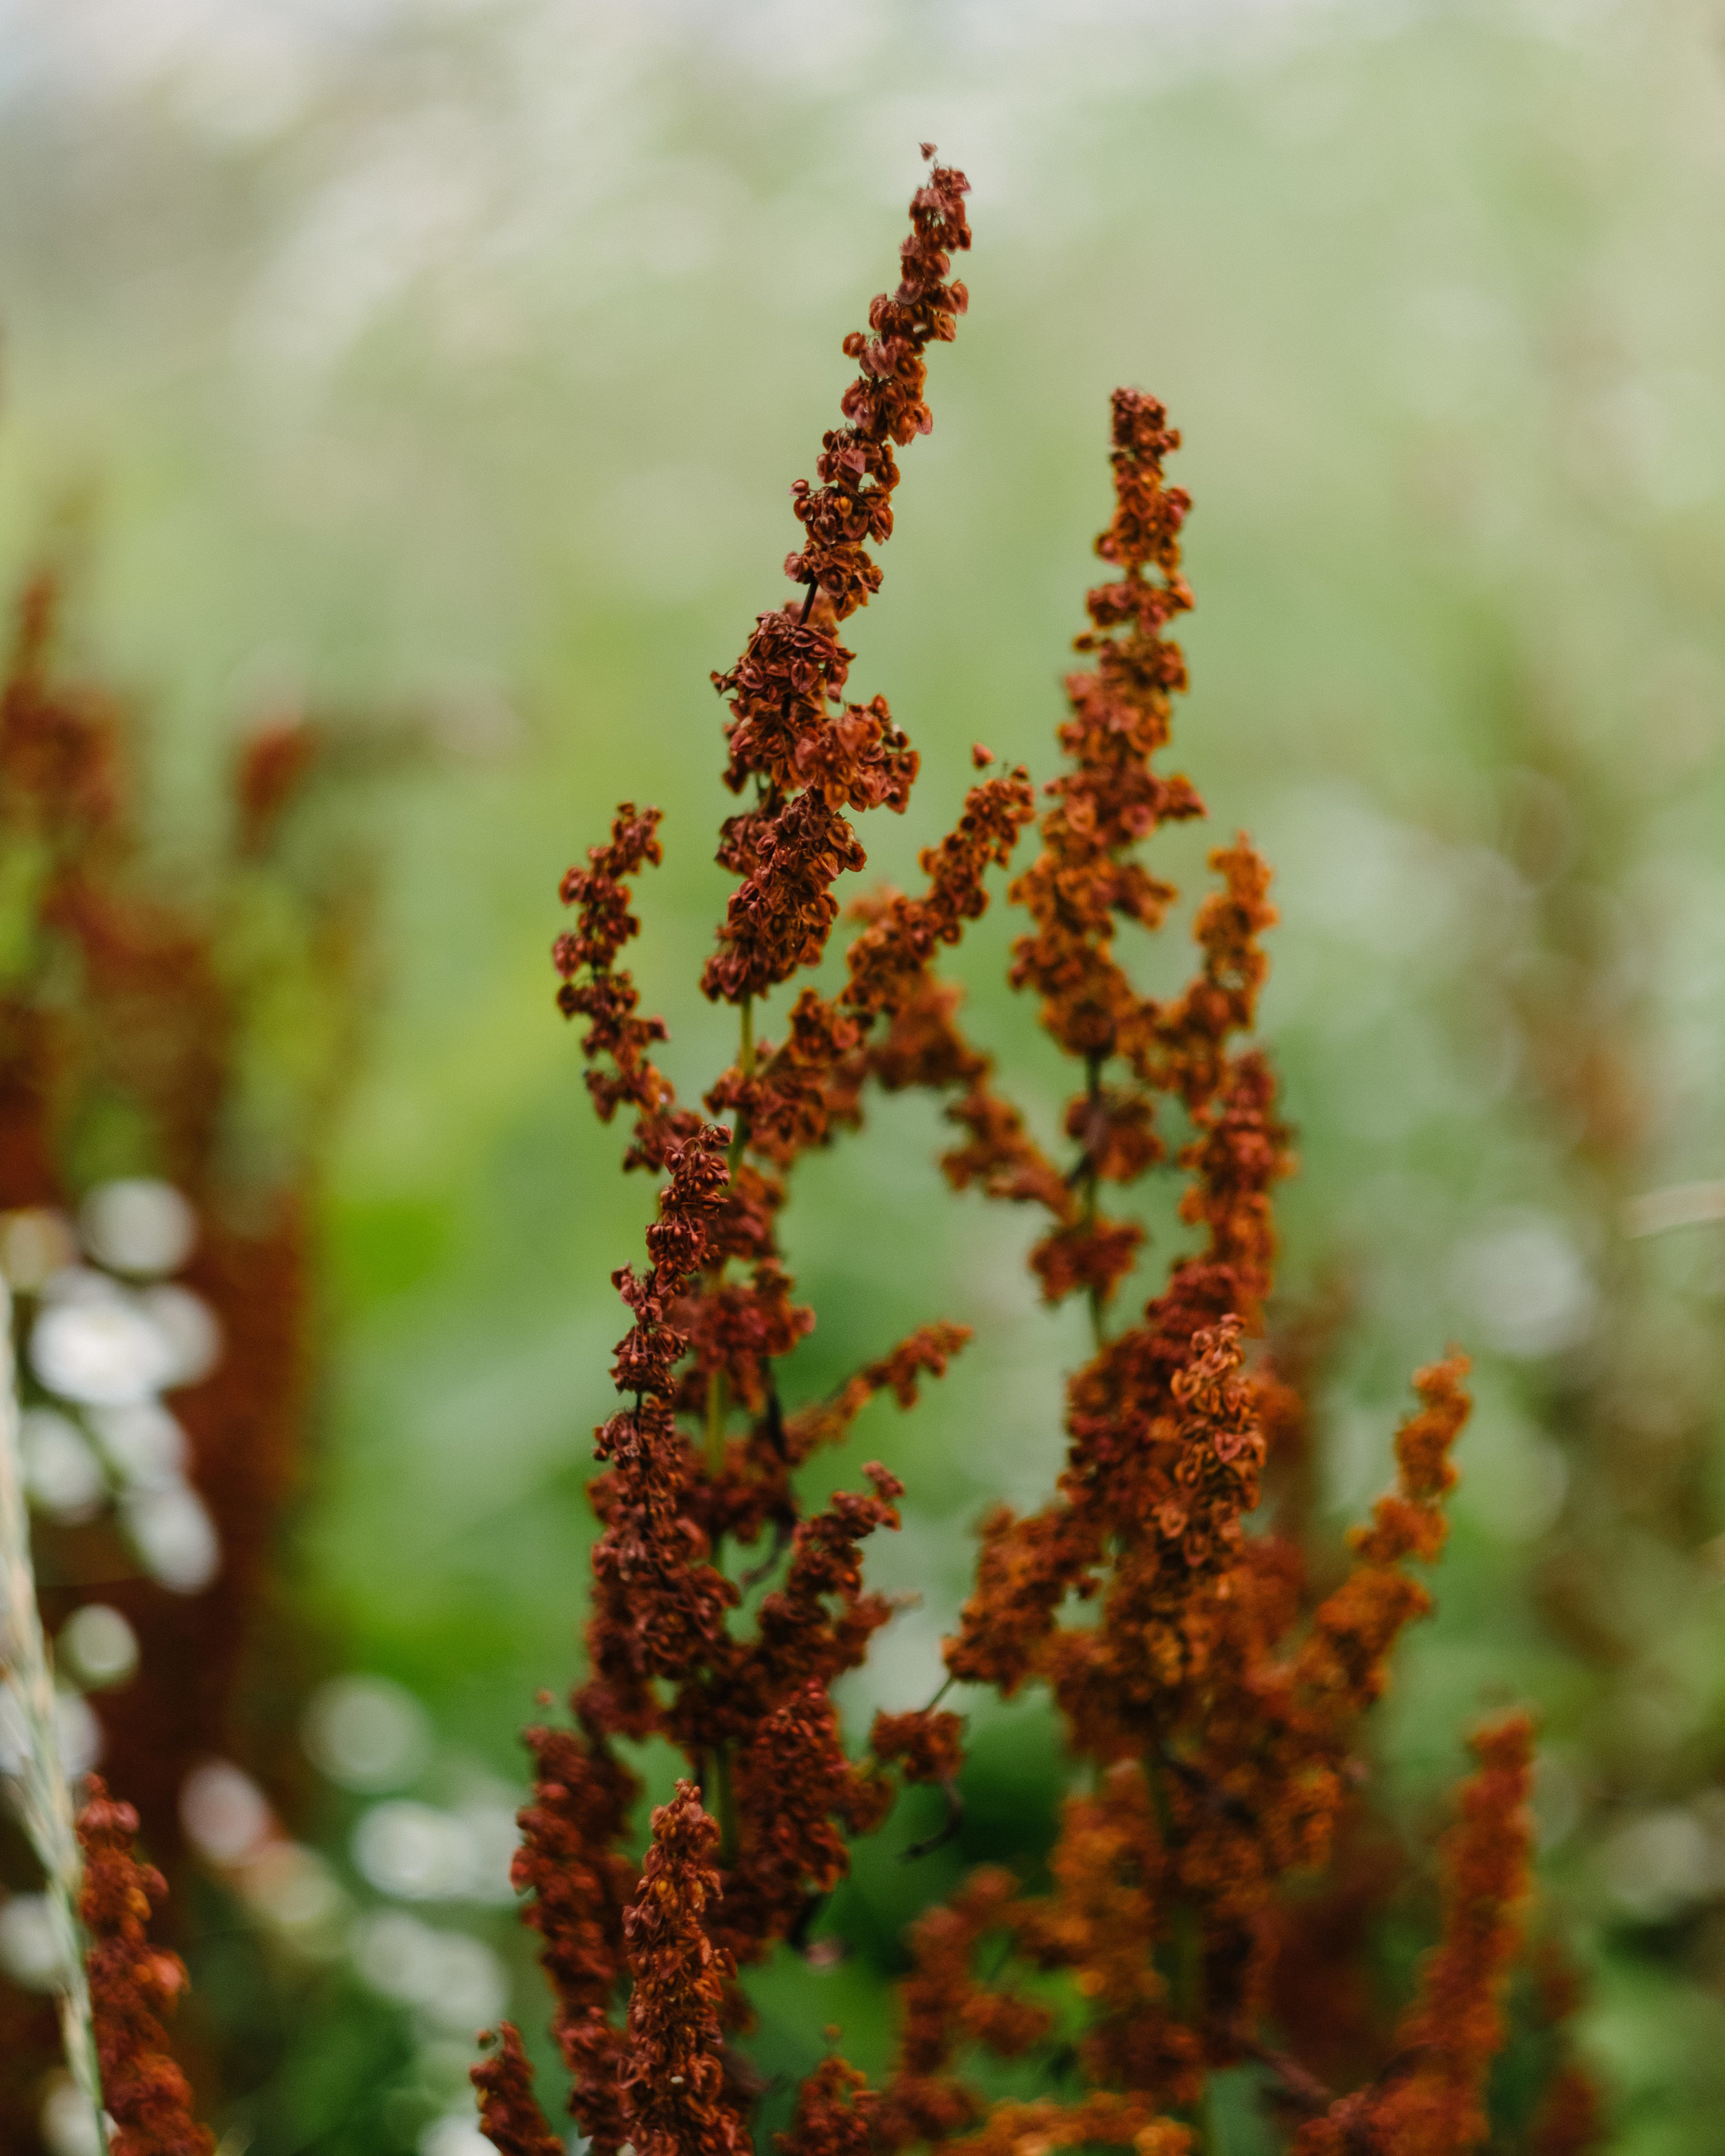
{"x": 173, "y": 1533}
{"x": 366, "y": 1734}
{"x": 226, "y": 1815}
{"x": 77, "y": 1283}
{"x": 455, "y": 2136}
{"x": 67, "y": 2127}
{"x": 138, "y": 1225}
{"x": 97, "y": 1646}
{"x": 395, "y": 1954}
{"x": 415, "y": 1851}
{"x": 30, "y": 1950}
{"x": 99, "y": 1347}
{"x": 81, "y": 1740}
{"x": 493, "y": 1838}
{"x": 143, "y": 1442}
{"x": 451, "y": 1977}
{"x": 62, "y": 1473}
{"x": 190, "y": 1327}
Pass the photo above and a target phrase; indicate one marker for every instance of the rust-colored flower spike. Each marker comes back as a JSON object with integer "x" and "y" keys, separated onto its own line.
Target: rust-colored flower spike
{"x": 1430, "y": 2100}
{"x": 1110, "y": 799}
{"x": 810, "y": 754}
{"x": 1087, "y": 878}
{"x": 1215, "y": 1708}
{"x": 509, "y": 2116}
{"x": 132, "y": 1985}
{"x": 1225, "y": 1764}
{"x": 1341, "y": 1665}
{"x": 672, "y": 2082}
{"x": 714, "y": 1316}
{"x": 658, "y": 1604}
{"x": 1085, "y": 881}
{"x": 580, "y": 1885}
{"x": 596, "y": 988}
{"x": 1222, "y": 1733}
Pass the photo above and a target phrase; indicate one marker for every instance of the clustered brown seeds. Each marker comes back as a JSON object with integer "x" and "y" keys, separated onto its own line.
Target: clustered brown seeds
{"x": 597, "y": 989}
{"x": 579, "y": 1884}
{"x": 1223, "y": 1741}
{"x": 810, "y": 754}
{"x": 509, "y": 2113}
{"x": 132, "y": 1985}
{"x": 673, "y": 2088}
{"x": 1087, "y": 878}
{"x": 702, "y": 1451}
{"x": 1214, "y": 1695}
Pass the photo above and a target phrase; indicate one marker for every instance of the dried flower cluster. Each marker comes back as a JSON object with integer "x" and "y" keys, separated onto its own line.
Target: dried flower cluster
{"x": 132, "y": 1985}
{"x": 810, "y": 754}
{"x": 1213, "y": 1698}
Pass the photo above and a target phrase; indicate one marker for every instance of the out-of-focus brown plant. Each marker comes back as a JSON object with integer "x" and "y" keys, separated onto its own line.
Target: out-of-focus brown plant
{"x": 131, "y": 1006}
{"x": 1623, "y": 1570}
{"x": 1212, "y": 1703}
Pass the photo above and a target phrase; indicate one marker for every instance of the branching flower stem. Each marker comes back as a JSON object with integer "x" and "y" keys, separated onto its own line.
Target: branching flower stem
{"x": 44, "y": 1799}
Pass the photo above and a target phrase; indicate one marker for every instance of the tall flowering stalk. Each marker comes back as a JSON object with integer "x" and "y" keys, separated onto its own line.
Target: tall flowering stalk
{"x": 1215, "y": 1701}
{"x": 44, "y": 1793}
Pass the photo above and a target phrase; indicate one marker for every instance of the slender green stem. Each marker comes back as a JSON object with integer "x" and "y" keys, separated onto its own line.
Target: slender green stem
{"x": 745, "y": 1063}
{"x": 44, "y": 1799}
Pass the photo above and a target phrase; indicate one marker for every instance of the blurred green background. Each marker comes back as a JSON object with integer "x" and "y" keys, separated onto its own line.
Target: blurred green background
{"x": 455, "y": 356}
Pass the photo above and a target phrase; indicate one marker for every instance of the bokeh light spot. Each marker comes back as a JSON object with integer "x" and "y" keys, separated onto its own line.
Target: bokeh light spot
{"x": 366, "y": 1734}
